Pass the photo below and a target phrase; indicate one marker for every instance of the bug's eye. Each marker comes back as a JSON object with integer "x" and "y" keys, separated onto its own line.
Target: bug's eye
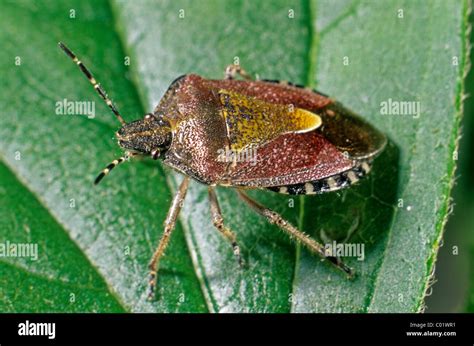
{"x": 149, "y": 116}
{"x": 162, "y": 122}
{"x": 155, "y": 154}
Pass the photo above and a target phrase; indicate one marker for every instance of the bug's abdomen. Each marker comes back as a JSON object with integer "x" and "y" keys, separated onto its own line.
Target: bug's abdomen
{"x": 332, "y": 183}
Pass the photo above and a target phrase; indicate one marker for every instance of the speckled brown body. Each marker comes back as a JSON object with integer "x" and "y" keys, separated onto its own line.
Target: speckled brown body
{"x": 193, "y": 106}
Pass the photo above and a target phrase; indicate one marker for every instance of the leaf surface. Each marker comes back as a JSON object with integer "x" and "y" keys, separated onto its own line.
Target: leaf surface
{"x": 361, "y": 53}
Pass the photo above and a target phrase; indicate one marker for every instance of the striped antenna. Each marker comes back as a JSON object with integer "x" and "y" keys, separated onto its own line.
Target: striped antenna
{"x": 91, "y": 79}
{"x": 107, "y": 169}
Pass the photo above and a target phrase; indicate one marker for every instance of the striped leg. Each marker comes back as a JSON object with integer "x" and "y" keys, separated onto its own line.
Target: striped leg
{"x": 168, "y": 229}
{"x": 218, "y": 222}
{"x": 91, "y": 79}
{"x": 232, "y": 70}
{"x": 294, "y": 233}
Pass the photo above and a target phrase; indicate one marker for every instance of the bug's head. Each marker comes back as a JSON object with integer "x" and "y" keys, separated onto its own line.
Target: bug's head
{"x": 148, "y": 136}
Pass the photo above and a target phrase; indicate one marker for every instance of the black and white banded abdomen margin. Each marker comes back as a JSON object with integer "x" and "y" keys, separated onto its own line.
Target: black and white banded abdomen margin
{"x": 332, "y": 183}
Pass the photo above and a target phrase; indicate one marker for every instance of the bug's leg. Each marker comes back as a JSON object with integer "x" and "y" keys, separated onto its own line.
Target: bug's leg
{"x": 294, "y": 233}
{"x": 218, "y": 222}
{"x": 232, "y": 70}
{"x": 93, "y": 81}
{"x": 169, "y": 224}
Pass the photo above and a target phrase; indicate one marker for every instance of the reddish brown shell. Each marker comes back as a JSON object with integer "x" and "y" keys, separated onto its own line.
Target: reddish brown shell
{"x": 194, "y": 108}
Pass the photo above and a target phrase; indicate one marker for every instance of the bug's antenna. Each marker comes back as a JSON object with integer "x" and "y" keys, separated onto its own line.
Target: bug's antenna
{"x": 109, "y": 167}
{"x": 91, "y": 79}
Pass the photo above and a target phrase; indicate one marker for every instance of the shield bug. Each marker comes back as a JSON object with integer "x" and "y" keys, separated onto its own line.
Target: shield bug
{"x": 302, "y": 142}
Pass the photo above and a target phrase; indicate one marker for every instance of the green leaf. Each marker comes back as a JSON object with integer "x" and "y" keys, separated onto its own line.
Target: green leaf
{"x": 453, "y": 290}
{"x": 117, "y": 224}
{"x": 57, "y": 272}
{"x": 401, "y": 59}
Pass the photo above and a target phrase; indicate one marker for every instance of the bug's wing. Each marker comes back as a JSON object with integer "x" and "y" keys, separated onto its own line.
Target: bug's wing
{"x": 251, "y": 122}
{"x": 350, "y": 133}
{"x": 344, "y": 129}
{"x": 283, "y": 144}
{"x": 289, "y": 159}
